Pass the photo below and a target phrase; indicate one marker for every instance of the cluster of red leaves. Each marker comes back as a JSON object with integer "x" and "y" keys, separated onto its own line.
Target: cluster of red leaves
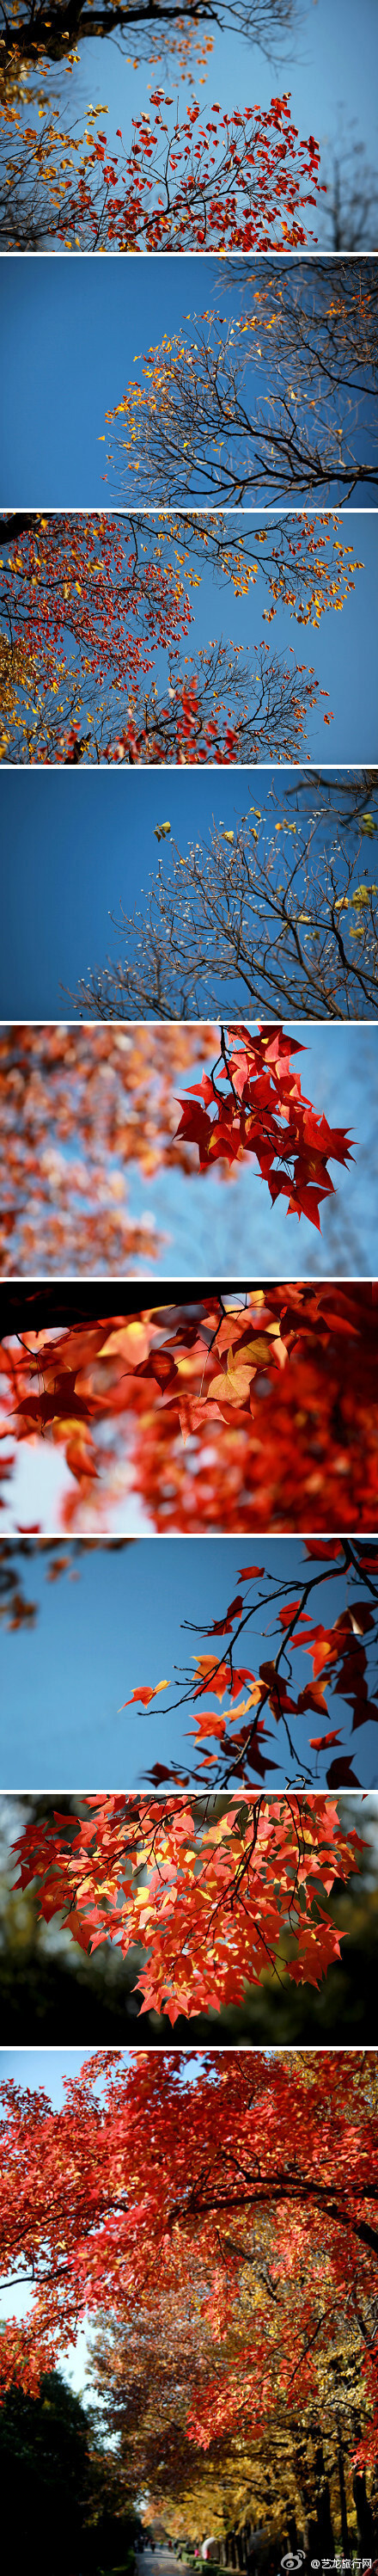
{"x": 232, "y": 182}
{"x": 216, "y": 1896}
{"x": 85, "y": 578}
{"x": 142, "y": 2176}
{"x": 262, "y": 1112}
{"x": 177, "y": 728}
{"x": 338, "y": 1658}
{"x": 277, "y": 1401}
{"x": 188, "y": 735}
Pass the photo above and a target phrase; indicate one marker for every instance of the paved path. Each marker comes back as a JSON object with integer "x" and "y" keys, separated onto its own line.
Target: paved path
{"x": 158, "y": 2562}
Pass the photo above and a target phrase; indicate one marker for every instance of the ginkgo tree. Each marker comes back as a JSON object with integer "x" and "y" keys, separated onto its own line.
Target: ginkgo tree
{"x": 250, "y": 2189}
{"x": 291, "y": 2477}
{"x": 284, "y": 2480}
{"x": 282, "y": 1380}
{"x": 91, "y": 606}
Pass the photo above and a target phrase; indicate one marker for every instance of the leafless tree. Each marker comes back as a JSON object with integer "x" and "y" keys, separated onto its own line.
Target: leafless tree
{"x": 350, "y": 207}
{"x": 279, "y": 915}
{"x": 275, "y": 403}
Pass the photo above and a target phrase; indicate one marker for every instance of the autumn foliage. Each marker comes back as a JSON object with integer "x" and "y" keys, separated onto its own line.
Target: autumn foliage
{"x": 218, "y": 1893}
{"x": 261, "y": 1112}
{"x": 95, "y": 606}
{"x": 267, "y": 402}
{"x": 246, "y": 2198}
{"x": 233, "y": 1744}
{"x": 283, "y": 1384}
{"x": 241, "y": 181}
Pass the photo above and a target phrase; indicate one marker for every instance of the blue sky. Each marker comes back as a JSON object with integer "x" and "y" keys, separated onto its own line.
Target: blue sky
{"x": 46, "y": 2067}
{"x": 203, "y": 1217}
{"x": 328, "y": 65}
{"x": 75, "y": 333}
{"x": 116, "y": 1625}
{"x": 79, "y": 847}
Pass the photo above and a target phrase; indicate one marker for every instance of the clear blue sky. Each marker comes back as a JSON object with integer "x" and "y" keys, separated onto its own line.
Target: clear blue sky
{"x": 45, "y": 2067}
{"x": 77, "y": 847}
{"x": 204, "y": 1217}
{"x": 117, "y": 1625}
{"x": 329, "y": 64}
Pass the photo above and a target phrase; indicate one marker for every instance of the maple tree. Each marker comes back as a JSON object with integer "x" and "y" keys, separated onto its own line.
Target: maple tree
{"x": 262, "y": 1112}
{"x": 249, "y": 2194}
{"x": 274, "y": 404}
{"x": 215, "y": 182}
{"x": 114, "y": 1100}
{"x": 294, "y": 2478}
{"x": 295, "y": 2486}
{"x": 89, "y": 604}
{"x": 292, "y": 922}
{"x": 282, "y": 1378}
{"x": 220, "y": 1891}
{"x": 231, "y": 1744}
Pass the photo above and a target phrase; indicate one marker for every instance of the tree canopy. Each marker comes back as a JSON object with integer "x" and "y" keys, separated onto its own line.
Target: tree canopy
{"x": 273, "y": 404}
{"x": 288, "y": 922}
{"x": 242, "y": 181}
{"x": 28, "y": 33}
{"x": 91, "y": 606}
{"x": 245, "y": 2197}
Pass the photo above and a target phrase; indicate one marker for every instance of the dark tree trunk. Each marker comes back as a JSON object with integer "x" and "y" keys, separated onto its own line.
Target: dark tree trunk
{"x": 343, "y": 2502}
{"x": 321, "y": 2541}
{"x": 365, "y": 2517}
